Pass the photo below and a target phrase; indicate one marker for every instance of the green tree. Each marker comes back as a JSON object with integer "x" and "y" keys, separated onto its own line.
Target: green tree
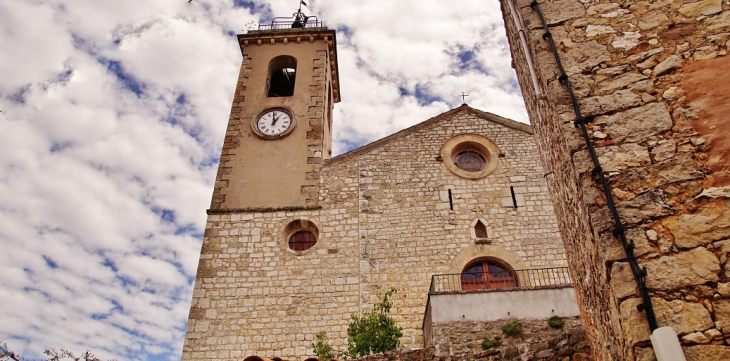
{"x": 374, "y": 331}
{"x": 322, "y": 348}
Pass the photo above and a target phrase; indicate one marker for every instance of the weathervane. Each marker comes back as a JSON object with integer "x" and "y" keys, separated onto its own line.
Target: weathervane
{"x": 463, "y": 97}
{"x": 300, "y": 20}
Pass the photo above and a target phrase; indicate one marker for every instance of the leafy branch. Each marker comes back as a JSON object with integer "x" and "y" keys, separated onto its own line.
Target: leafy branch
{"x": 374, "y": 331}
{"x": 7, "y": 355}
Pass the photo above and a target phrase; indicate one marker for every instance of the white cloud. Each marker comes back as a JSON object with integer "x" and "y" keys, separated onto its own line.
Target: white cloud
{"x": 113, "y": 114}
{"x": 415, "y": 47}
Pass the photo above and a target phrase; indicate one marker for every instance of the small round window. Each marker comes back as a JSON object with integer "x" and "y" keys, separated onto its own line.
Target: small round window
{"x": 302, "y": 240}
{"x": 300, "y": 235}
{"x": 470, "y": 161}
{"x": 470, "y": 156}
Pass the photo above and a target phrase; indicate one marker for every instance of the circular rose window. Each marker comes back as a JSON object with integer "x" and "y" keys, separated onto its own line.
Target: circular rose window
{"x": 470, "y": 156}
{"x": 470, "y": 161}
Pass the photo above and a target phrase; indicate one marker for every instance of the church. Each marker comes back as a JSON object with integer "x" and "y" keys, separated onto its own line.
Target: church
{"x": 630, "y": 191}
{"x": 452, "y": 212}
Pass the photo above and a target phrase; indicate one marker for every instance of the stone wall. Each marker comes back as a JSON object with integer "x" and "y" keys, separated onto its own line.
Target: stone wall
{"x": 385, "y": 220}
{"x": 407, "y": 231}
{"x": 528, "y": 303}
{"x": 463, "y": 340}
{"x": 651, "y": 78}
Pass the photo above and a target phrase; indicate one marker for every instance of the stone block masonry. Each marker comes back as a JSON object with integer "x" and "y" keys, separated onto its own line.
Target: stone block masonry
{"x": 462, "y": 341}
{"x": 651, "y": 77}
{"x": 390, "y": 214}
{"x": 538, "y": 341}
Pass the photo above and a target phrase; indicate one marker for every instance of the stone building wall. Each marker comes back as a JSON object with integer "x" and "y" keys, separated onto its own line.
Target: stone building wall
{"x": 650, "y": 78}
{"x": 407, "y": 231}
{"x": 538, "y": 341}
{"x": 254, "y": 296}
{"x": 384, "y": 220}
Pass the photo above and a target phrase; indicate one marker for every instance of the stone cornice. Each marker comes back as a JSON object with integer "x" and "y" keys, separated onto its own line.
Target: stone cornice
{"x": 262, "y": 209}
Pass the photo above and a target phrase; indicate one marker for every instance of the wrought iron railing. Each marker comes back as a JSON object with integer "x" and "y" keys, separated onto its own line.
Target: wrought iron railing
{"x": 292, "y": 23}
{"x": 526, "y": 278}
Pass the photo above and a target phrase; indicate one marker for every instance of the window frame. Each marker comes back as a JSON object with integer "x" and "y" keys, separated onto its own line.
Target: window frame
{"x": 308, "y": 244}
{"x": 505, "y": 277}
{"x": 296, "y": 224}
{"x": 474, "y": 143}
{"x": 470, "y": 152}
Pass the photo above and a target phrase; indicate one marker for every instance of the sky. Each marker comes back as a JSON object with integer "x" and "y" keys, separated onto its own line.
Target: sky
{"x": 112, "y": 116}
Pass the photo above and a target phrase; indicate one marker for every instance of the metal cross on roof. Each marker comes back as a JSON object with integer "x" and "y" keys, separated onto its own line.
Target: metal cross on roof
{"x": 463, "y": 97}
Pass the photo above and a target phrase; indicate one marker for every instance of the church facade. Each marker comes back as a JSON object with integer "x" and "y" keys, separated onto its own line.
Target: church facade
{"x": 296, "y": 241}
{"x": 626, "y": 101}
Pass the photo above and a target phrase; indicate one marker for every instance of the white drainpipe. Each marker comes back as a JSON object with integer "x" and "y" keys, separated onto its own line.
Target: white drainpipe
{"x": 666, "y": 345}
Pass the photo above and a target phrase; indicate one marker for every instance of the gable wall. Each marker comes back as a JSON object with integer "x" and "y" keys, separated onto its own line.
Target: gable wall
{"x": 406, "y": 231}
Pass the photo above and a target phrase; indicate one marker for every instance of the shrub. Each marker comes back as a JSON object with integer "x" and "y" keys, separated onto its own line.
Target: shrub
{"x": 556, "y": 322}
{"x": 374, "y": 331}
{"x": 489, "y": 343}
{"x": 513, "y": 328}
{"x": 322, "y": 348}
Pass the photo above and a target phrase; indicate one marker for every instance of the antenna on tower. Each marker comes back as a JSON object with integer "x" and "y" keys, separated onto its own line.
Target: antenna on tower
{"x": 300, "y": 20}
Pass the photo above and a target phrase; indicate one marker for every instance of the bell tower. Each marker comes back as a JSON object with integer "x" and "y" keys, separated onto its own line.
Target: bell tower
{"x": 280, "y": 128}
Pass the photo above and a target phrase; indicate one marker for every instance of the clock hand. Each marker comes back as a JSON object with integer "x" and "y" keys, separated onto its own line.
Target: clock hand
{"x": 275, "y": 119}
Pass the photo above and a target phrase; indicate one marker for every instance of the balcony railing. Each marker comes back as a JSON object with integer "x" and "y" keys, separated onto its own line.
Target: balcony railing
{"x": 517, "y": 279}
{"x": 292, "y": 23}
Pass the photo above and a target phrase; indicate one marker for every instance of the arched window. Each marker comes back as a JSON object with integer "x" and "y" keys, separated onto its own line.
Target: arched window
{"x": 480, "y": 229}
{"x": 486, "y": 273}
{"x": 282, "y": 76}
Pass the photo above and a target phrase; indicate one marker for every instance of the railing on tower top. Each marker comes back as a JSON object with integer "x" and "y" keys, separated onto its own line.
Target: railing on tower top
{"x": 292, "y": 23}
{"x": 517, "y": 279}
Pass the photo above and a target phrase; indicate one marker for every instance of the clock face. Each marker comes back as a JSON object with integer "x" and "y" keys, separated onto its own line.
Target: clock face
{"x": 273, "y": 122}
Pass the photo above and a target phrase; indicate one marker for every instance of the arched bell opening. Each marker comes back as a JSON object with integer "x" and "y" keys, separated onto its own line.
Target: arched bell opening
{"x": 282, "y": 76}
